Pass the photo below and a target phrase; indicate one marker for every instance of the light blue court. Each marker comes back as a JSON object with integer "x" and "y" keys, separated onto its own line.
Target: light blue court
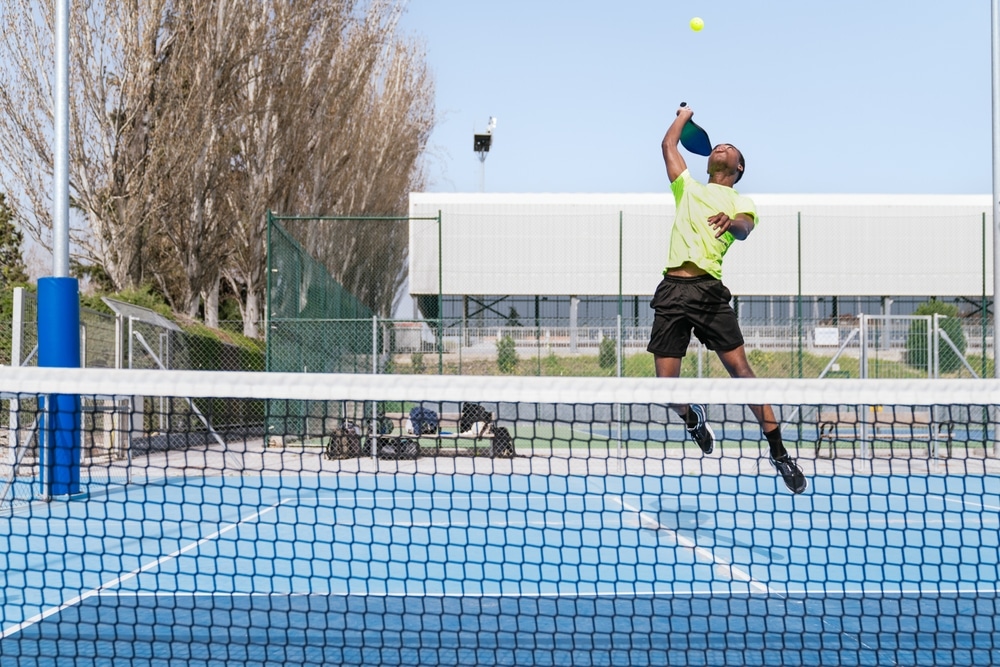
{"x": 509, "y": 570}
{"x": 649, "y": 435}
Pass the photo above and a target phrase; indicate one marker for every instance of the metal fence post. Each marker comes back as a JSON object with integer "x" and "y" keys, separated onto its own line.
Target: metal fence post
{"x": 440, "y": 307}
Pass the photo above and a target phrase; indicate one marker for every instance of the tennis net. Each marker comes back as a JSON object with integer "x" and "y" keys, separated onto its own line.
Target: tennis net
{"x": 200, "y": 518}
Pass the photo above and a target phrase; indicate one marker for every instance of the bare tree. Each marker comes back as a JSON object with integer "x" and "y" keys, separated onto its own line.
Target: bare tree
{"x": 197, "y": 117}
{"x": 340, "y": 113}
{"x": 190, "y": 119}
{"x": 382, "y": 166}
{"x": 116, "y": 49}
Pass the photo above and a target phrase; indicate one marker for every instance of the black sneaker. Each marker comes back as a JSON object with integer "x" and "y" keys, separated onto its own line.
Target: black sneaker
{"x": 701, "y": 432}
{"x": 790, "y": 472}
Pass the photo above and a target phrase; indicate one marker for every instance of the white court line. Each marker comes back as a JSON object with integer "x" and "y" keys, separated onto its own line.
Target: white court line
{"x": 478, "y": 526}
{"x": 454, "y": 524}
{"x": 727, "y": 567}
{"x": 436, "y": 495}
{"x": 462, "y": 594}
{"x": 590, "y": 434}
{"x": 963, "y": 501}
{"x": 926, "y": 591}
{"x": 8, "y": 632}
{"x": 954, "y": 524}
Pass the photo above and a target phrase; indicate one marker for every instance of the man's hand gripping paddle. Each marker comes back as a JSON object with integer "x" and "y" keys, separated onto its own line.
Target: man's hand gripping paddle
{"x": 695, "y": 139}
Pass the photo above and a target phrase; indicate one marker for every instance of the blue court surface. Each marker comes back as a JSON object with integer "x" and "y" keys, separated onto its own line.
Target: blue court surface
{"x": 507, "y": 570}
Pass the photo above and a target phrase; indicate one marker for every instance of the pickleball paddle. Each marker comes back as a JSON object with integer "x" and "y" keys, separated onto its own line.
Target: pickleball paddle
{"x": 694, "y": 138}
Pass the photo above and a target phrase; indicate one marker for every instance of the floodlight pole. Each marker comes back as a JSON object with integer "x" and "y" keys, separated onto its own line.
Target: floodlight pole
{"x": 995, "y": 52}
{"x": 59, "y": 298}
{"x": 482, "y": 148}
{"x": 481, "y": 143}
{"x": 60, "y": 158}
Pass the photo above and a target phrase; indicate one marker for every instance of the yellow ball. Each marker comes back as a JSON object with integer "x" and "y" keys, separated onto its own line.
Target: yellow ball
{"x": 697, "y": 24}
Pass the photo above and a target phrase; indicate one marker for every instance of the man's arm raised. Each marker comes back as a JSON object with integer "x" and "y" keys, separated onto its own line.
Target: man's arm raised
{"x": 671, "y": 156}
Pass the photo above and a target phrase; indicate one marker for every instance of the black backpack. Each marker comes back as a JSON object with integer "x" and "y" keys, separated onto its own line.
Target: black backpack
{"x": 424, "y": 420}
{"x": 398, "y": 449}
{"x": 503, "y": 444}
{"x": 472, "y": 413}
{"x": 345, "y": 443}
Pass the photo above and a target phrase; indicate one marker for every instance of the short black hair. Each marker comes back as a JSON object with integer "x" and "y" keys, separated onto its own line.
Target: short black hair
{"x": 743, "y": 163}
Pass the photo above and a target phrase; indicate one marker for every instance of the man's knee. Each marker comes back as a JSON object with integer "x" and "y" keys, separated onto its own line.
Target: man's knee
{"x": 736, "y": 363}
{"x": 743, "y": 371}
{"x": 667, "y": 366}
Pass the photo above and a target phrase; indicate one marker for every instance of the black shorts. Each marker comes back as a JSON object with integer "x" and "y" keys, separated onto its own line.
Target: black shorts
{"x": 700, "y": 304}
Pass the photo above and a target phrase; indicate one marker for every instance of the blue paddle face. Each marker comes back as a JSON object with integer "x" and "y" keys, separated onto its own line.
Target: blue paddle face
{"x": 695, "y": 139}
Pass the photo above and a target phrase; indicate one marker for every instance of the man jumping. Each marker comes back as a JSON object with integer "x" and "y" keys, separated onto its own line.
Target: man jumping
{"x": 709, "y": 218}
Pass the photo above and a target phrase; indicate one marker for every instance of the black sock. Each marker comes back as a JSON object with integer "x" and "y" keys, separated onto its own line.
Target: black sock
{"x": 690, "y": 418}
{"x": 774, "y": 439}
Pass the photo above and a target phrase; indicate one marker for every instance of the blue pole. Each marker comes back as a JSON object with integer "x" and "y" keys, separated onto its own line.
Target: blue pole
{"x": 59, "y": 347}
{"x": 58, "y": 297}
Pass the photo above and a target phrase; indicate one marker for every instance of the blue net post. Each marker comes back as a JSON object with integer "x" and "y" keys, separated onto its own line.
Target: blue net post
{"x": 59, "y": 347}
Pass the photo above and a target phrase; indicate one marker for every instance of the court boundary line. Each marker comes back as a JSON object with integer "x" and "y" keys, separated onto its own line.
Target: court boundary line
{"x": 51, "y": 611}
{"x": 966, "y": 501}
{"x": 721, "y": 563}
{"x": 729, "y": 592}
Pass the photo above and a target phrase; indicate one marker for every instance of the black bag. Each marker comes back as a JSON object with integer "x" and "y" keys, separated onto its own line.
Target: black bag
{"x": 345, "y": 443}
{"x": 472, "y": 413}
{"x": 385, "y": 424}
{"x": 398, "y": 449}
{"x": 503, "y": 444}
{"x": 423, "y": 420}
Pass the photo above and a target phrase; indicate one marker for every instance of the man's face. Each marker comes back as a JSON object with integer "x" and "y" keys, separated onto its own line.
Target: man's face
{"x": 726, "y": 156}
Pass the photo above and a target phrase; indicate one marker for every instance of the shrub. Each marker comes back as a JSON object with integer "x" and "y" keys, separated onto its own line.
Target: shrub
{"x": 951, "y": 324}
{"x": 607, "y": 353}
{"x": 417, "y": 363}
{"x": 506, "y": 354}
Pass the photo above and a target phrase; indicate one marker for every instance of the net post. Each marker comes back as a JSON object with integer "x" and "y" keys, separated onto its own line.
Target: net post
{"x": 59, "y": 347}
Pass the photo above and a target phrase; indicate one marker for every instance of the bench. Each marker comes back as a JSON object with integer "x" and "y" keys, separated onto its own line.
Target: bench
{"x": 449, "y": 426}
{"x": 886, "y": 423}
{"x": 483, "y": 437}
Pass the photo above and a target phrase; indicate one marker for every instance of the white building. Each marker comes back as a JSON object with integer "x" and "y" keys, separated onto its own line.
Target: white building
{"x": 837, "y": 254}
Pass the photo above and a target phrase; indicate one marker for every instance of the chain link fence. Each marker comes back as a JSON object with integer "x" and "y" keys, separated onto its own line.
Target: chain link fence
{"x": 133, "y": 337}
{"x": 870, "y": 346}
{"x": 324, "y": 318}
{"x": 136, "y": 337}
{"x": 329, "y": 278}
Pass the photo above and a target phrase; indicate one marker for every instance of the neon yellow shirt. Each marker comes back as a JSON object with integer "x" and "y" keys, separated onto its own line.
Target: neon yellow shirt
{"x": 693, "y": 239}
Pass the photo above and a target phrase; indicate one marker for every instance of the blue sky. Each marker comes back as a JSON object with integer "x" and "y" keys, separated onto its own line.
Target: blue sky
{"x": 822, "y": 96}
